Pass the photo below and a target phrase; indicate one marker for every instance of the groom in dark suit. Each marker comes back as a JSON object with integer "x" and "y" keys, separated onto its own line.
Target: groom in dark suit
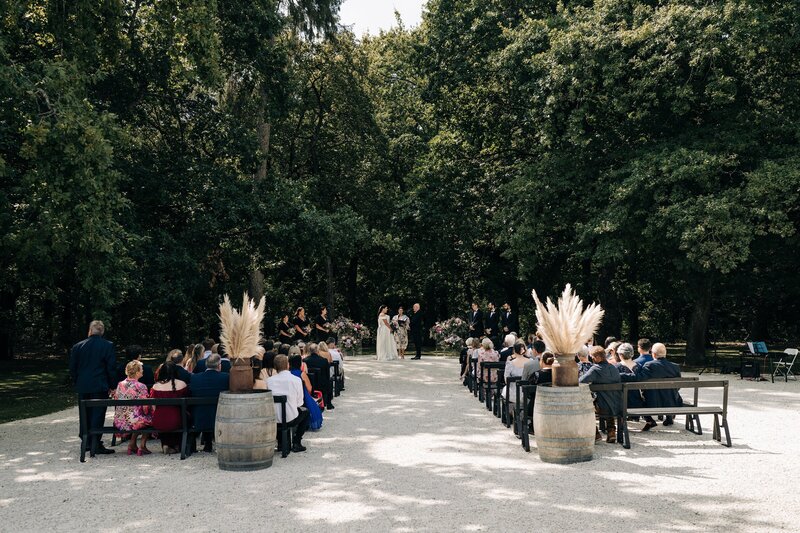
{"x": 417, "y": 329}
{"x": 510, "y": 321}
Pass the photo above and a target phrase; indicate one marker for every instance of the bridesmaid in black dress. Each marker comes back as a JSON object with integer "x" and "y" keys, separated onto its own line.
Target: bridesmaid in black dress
{"x": 300, "y": 325}
{"x": 321, "y": 330}
{"x": 283, "y": 330}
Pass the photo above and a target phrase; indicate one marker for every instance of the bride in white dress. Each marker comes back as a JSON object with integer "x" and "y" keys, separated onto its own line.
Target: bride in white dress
{"x": 386, "y": 346}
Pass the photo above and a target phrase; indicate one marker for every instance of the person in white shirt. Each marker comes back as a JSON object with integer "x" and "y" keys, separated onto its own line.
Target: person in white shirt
{"x": 336, "y": 355}
{"x": 208, "y": 346}
{"x": 284, "y": 383}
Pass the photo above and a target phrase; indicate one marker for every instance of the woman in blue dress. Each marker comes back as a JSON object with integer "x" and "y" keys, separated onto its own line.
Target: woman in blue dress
{"x": 314, "y": 412}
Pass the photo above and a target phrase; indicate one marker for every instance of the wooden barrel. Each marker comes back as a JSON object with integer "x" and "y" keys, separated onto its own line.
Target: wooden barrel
{"x": 245, "y": 431}
{"x": 563, "y": 423}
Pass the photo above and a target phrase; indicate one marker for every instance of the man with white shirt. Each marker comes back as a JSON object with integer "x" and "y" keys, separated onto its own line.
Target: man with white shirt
{"x": 284, "y": 383}
{"x": 208, "y": 345}
{"x": 336, "y": 355}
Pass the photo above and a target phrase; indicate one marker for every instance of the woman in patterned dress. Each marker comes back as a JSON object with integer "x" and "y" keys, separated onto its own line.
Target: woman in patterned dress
{"x": 127, "y": 418}
{"x": 401, "y": 323}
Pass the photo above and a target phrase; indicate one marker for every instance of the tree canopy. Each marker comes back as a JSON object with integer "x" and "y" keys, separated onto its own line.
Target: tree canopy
{"x": 157, "y": 154}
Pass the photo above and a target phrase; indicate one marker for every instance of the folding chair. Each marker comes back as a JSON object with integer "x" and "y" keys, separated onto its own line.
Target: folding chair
{"x": 785, "y": 368}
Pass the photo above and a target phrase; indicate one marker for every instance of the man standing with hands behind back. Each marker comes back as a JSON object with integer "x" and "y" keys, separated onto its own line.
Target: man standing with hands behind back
{"x": 93, "y": 368}
{"x": 417, "y": 329}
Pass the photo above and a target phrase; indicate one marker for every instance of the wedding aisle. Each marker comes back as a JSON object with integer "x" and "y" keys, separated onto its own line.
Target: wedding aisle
{"x": 408, "y": 449}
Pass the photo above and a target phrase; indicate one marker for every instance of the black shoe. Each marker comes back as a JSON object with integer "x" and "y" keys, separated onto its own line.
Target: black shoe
{"x": 668, "y": 421}
{"x": 330, "y": 406}
{"x": 416, "y": 358}
{"x": 102, "y": 450}
{"x": 649, "y": 425}
{"x": 208, "y": 448}
{"x": 297, "y": 448}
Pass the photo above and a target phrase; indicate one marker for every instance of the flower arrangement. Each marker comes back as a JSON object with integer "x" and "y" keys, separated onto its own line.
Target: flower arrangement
{"x": 450, "y": 333}
{"x": 350, "y": 333}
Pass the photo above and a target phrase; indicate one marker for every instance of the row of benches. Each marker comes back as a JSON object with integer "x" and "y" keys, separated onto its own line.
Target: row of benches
{"x": 187, "y": 430}
{"x": 491, "y": 394}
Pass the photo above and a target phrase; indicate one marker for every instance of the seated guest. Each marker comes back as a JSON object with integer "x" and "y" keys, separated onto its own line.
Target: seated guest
{"x": 225, "y": 363}
{"x": 608, "y": 403}
{"x": 208, "y": 385}
{"x": 193, "y": 355}
{"x": 322, "y": 377}
{"x": 267, "y": 365}
{"x": 208, "y": 347}
{"x": 659, "y": 367}
{"x": 533, "y": 365}
{"x": 259, "y": 376}
{"x": 314, "y": 411}
{"x": 611, "y": 352}
{"x": 127, "y": 418}
{"x": 583, "y": 360}
{"x": 167, "y": 418}
{"x": 463, "y": 359}
{"x": 322, "y": 349}
{"x": 545, "y": 373}
{"x": 284, "y": 349}
{"x": 283, "y": 383}
{"x": 487, "y": 354}
{"x": 473, "y": 344}
{"x": 643, "y": 346}
{"x": 176, "y": 358}
{"x": 336, "y": 355}
{"x": 508, "y": 347}
{"x": 514, "y": 368}
{"x": 626, "y": 368}
{"x": 608, "y": 342}
{"x": 531, "y": 338}
{"x": 134, "y": 353}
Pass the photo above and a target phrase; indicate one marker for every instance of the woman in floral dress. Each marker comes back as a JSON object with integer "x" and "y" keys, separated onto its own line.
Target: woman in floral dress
{"x": 401, "y": 323}
{"x": 127, "y": 418}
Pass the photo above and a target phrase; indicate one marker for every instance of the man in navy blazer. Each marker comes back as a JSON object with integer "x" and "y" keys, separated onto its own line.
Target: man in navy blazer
{"x": 659, "y": 368}
{"x": 208, "y": 385}
{"x": 93, "y": 370}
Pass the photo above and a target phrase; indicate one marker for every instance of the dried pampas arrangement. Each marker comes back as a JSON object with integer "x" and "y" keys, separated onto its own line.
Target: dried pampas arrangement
{"x": 565, "y": 328}
{"x": 241, "y": 332}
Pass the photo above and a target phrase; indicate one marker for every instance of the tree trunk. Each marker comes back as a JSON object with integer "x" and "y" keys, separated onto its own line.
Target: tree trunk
{"x": 8, "y": 303}
{"x": 698, "y": 324}
{"x": 256, "y": 284}
{"x": 633, "y": 320}
{"x": 352, "y": 289}
{"x": 329, "y": 292}
{"x": 175, "y": 325}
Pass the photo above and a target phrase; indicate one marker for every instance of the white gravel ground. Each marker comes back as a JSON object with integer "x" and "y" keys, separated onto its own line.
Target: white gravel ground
{"x": 408, "y": 449}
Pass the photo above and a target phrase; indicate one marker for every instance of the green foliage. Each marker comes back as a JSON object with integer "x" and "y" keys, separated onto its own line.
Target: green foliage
{"x": 154, "y": 155}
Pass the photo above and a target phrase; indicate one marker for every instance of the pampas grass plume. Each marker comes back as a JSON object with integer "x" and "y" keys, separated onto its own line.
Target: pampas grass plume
{"x": 566, "y": 326}
{"x": 240, "y": 333}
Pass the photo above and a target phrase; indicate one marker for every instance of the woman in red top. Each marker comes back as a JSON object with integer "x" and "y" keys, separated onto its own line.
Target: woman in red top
{"x": 168, "y": 417}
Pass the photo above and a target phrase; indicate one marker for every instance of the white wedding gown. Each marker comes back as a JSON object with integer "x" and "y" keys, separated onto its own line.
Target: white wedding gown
{"x": 385, "y": 346}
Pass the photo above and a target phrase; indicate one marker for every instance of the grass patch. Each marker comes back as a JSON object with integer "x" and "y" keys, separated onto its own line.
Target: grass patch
{"x": 34, "y": 387}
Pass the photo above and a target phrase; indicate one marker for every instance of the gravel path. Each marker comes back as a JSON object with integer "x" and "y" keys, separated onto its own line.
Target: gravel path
{"x": 408, "y": 449}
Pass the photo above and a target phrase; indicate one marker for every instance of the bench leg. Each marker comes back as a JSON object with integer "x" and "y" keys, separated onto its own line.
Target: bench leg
{"x": 84, "y": 438}
{"x": 626, "y": 443}
{"x": 184, "y": 444}
{"x": 697, "y": 423}
{"x": 727, "y": 432}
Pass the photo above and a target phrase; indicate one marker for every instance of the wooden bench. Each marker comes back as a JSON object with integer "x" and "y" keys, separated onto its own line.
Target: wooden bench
{"x": 692, "y": 411}
{"x": 491, "y": 389}
{"x": 185, "y": 429}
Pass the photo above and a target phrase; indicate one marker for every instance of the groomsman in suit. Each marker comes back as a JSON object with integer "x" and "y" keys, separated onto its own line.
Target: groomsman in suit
{"x": 492, "y": 326}
{"x": 510, "y": 321}
{"x": 417, "y": 329}
{"x": 475, "y": 321}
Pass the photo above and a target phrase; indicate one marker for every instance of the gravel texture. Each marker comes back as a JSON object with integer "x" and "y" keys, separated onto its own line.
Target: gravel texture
{"x": 408, "y": 449}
